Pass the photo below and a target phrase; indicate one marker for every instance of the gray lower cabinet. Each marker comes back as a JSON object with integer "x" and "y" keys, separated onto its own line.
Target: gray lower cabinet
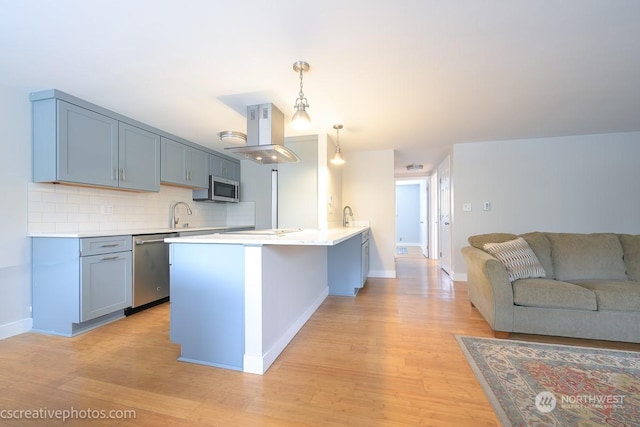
{"x": 79, "y": 284}
{"x": 345, "y": 267}
{"x": 183, "y": 165}
{"x": 73, "y": 144}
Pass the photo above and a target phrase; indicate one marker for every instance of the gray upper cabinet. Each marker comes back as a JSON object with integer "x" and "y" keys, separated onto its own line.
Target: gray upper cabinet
{"x": 72, "y": 144}
{"x": 76, "y": 145}
{"x": 139, "y": 158}
{"x": 77, "y": 142}
{"x": 223, "y": 167}
{"x": 183, "y": 165}
{"x": 199, "y": 175}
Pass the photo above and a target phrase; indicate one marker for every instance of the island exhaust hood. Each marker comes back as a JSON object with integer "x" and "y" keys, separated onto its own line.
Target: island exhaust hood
{"x": 265, "y": 136}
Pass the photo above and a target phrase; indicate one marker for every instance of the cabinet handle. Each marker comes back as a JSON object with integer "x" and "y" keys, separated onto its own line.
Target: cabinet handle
{"x": 124, "y": 175}
{"x": 142, "y": 242}
{"x": 110, "y": 258}
{"x": 110, "y": 245}
{"x": 189, "y": 175}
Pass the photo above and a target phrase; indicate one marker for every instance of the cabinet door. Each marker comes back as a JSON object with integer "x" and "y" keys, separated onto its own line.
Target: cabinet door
{"x": 215, "y": 165}
{"x": 174, "y": 162}
{"x": 106, "y": 284}
{"x": 234, "y": 173}
{"x": 139, "y": 158}
{"x": 225, "y": 168}
{"x": 198, "y": 169}
{"x": 87, "y": 146}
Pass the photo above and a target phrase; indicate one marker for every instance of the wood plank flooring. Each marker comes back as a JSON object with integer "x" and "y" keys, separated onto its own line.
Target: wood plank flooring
{"x": 385, "y": 358}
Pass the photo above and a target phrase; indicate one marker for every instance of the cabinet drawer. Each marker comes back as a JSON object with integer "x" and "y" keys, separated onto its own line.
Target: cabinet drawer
{"x": 104, "y": 245}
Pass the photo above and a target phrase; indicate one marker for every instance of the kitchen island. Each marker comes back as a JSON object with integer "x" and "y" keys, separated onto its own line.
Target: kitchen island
{"x": 237, "y": 299}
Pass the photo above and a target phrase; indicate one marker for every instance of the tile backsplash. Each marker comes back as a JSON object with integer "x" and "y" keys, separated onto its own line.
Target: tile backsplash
{"x": 66, "y": 208}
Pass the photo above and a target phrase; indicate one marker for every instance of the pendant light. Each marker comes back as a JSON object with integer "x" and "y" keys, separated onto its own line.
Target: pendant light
{"x": 337, "y": 158}
{"x": 301, "y": 119}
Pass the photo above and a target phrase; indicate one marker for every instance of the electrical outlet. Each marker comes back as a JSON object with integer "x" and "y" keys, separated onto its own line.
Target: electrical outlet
{"x": 486, "y": 206}
{"x": 106, "y": 210}
{"x": 466, "y": 207}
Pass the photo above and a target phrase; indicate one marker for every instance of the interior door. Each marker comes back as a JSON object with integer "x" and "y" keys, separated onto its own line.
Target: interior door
{"x": 424, "y": 218}
{"x": 444, "y": 209}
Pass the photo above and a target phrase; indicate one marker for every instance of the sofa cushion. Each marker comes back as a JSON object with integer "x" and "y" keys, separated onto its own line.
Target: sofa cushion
{"x": 631, "y": 247}
{"x": 541, "y": 246}
{"x": 518, "y": 258}
{"x": 619, "y": 295}
{"x": 480, "y": 240}
{"x": 587, "y": 256}
{"x": 553, "y": 294}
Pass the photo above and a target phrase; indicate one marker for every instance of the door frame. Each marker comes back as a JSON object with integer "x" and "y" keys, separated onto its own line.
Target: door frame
{"x": 424, "y": 204}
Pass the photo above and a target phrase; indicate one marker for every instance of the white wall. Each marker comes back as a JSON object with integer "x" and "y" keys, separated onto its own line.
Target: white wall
{"x": 368, "y": 186}
{"x": 15, "y": 246}
{"x": 408, "y": 214}
{"x": 333, "y": 201}
{"x": 255, "y": 186}
{"x": 588, "y": 183}
{"x": 298, "y": 185}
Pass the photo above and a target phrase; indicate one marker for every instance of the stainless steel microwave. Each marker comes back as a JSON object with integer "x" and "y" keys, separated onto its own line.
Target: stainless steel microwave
{"x": 220, "y": 190}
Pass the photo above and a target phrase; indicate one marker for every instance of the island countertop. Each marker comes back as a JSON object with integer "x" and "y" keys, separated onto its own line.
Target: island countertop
{"x": 302, "y": 237}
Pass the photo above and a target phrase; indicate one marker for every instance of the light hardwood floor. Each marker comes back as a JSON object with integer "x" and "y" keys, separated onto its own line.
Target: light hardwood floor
{"x": 385, "y": 358}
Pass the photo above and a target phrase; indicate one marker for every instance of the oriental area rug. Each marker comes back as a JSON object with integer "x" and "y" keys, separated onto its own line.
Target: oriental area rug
{"x": 533, "y": 384}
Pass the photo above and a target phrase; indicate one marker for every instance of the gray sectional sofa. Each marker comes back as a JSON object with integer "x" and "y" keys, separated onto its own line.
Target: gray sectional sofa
{"x": 589, "y": 285}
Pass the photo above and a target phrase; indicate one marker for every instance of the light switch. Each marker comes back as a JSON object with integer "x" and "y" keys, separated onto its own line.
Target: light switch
{"x": 486, "y": 206}
{"x": 466, "y": 207}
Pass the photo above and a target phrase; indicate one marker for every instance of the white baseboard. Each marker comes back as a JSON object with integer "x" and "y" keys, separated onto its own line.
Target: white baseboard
{"x": 15, "y": 328}
{"x": 382, "y": 274}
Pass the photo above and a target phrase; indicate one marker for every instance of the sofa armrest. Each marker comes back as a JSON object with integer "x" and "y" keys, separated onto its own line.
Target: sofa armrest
{"x": 489, "y": 288}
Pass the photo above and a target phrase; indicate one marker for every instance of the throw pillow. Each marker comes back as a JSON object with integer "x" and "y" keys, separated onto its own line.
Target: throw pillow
{"x": 518, "y": 258}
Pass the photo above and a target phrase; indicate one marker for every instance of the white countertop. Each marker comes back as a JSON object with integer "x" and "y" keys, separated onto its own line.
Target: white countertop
{"x": 132, "y": 232}
{"x": 303, "y": 237}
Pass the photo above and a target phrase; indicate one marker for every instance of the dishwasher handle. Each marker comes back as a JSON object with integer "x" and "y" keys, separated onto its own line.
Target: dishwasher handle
{"x": 142, "y": 242}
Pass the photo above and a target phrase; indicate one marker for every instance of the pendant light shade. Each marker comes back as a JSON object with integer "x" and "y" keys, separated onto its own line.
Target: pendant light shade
{"x": 301, "y": 119}
{"x": 337, "y": 158}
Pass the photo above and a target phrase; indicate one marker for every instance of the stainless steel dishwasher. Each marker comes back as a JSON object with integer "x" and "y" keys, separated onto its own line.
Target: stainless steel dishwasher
{"x": 150, "y": 271}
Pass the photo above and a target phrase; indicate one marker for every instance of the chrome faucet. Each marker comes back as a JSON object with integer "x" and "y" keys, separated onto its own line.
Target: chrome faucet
{"x": 174, "y": 218}
{"x": 345, "y": 220}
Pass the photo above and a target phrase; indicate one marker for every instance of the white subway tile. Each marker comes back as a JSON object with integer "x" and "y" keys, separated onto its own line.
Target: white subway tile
{"x": 54, "y": 197}
{"x": 67, "y": 207}
{"x": 54, "y": 217}
{"x": 66, "y": 227}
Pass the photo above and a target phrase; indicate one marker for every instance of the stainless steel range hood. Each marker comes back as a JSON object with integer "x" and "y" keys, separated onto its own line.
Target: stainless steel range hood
{"x": 265, "y": 136}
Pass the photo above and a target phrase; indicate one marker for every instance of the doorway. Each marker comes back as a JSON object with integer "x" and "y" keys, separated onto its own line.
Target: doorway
{"x": 412, "y": 211}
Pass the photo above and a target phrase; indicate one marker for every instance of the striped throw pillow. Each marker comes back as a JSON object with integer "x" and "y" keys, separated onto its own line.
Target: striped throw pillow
{"x": 518, "y": 258}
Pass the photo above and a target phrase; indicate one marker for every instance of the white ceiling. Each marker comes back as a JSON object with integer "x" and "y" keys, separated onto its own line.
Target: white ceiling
{"x": 412, "y": 75}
